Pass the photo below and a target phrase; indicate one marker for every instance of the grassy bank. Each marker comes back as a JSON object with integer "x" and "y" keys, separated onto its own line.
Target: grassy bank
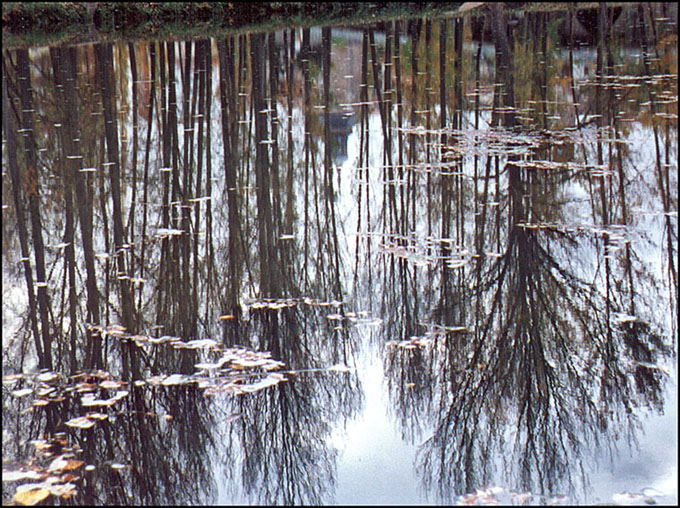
{"x": 54, "y": 22}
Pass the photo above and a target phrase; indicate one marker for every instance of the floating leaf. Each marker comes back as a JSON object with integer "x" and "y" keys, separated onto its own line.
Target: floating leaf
{"x": 175, "y": 379}
{"x": 620, "y": 317}
{"x": 62, "y": 464}
{"x": 13, "y": 476}
{"x": 47, "y": 377}
{"x": 155, "y": 380}
{"x": 651, "y": 366}
{"x": 340, "y": 368}
{"x": 40, "y": 444}
{"x": 31, "y": 494}
{"x": 65, "y": 490}
{"x": 97, "y": 416}
{"x": 167, "y": 232}
{"x": 85, "y": 387}
{"x": 201, "y": 343}
{"x": 22, "y": 393}
{"x": 11, "y": 379}
{"x": 80, "y": 423}
{"x": 521, "y": 497}
{"x": 89, "y": 400}
{"x": 121, "y": 394}
{"x": 212, "y": 366}
{"x": 57, "y": 465}
{"x": 271, "y": 380}
{"x": 164, "y": 338}
{"x": 558, "y": 500}
{"x": 111, "y": 385}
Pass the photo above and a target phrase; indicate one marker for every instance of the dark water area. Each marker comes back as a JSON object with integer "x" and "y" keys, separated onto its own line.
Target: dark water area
{"x": 420, "y": 261}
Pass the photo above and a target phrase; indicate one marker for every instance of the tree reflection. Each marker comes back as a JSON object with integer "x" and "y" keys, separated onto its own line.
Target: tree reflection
{"x": 518, "y": 325}
{"x": 280, "y": 442}
{"x": 554, "y": 363}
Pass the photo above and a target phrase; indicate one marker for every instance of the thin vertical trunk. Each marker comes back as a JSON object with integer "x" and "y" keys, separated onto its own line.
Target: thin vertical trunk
{"x": 478, "y": 58}
{"x": 428, "y": 126}
{"x": 32, "y": 188}
{"x": 458, "y": 123}
{"x": 104, "y": 64}
{"x": 445, "y": 178}
{"x": 135, "y": 143}
{"x": 71, "y": 160}
{"x": 600, "y": 99}
{"x": 65, "y": 76}
{"x": 387, "y": 109}
{"x": 415, "y": 36}
{"x": 149, "y": 123}
{"x": 262, "y": 176}
{"x": 505, "y": 76}
{"x": 307, "y": 148}
{"x": 290, "y": 76}
{"x": 274, "y": 129}
{"x": 400, "y": 136}
{"x": 202, "y": 53}
{"x": 330, "y": 193}
{"x": 9, "y": 126}
{"x": 229, "y": 116}
{"x": 209, "y": 247}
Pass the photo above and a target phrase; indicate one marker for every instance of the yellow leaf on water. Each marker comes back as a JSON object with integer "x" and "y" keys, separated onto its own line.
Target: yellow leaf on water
{"x": 31, "y": 496}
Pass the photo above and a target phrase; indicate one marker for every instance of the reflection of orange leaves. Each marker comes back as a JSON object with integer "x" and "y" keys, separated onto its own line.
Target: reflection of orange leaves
{"x": 669, "y": 62}
{"x": 668, "y": 39}
{"x": 62, "y": 464}
{"x": 72, "y": 465}
{"x": 31, "y": 182}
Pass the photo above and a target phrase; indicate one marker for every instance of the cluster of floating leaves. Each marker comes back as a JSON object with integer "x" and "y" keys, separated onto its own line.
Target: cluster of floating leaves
{"x": 498, "y": 495}
{"x": 335, "y": 317}
{"x": 236, "y": 371}
{"x": 646, "y": 496}
{"x": 54, "y": 471}
{"x": 434, "y": 332}
{"x": 423, "y": 251}
{"x": 56, "y": 475}
{"x": 428, "y": 251}
{"x": 280, "y": 303}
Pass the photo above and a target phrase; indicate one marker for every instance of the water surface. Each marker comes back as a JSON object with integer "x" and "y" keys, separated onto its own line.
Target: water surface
{"x": 416, "y": 261}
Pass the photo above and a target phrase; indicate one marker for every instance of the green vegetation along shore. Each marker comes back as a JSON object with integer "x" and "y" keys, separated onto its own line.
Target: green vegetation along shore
{"x": 28, "y": 23}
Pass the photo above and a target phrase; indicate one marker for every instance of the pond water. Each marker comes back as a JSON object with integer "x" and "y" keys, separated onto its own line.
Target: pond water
{"x": 409, "y": 262}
